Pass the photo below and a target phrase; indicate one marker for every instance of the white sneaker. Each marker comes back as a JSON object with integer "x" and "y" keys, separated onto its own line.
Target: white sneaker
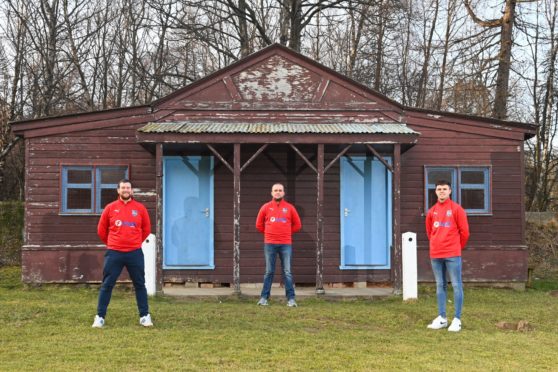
{"x": 292, "y": 303}
{"x": 455, "y": 325}
{"x": 263, "y": 302}
{"x": 98, "y": 322}
{"x": 438, "y": 323}
{"x": 146, "y": 321}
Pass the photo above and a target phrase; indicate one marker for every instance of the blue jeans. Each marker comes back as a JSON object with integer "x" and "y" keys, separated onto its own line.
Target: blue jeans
{"x": 285, "y": 252}
{"x": 452, "y": 266}
{"x": 115, "y": 261}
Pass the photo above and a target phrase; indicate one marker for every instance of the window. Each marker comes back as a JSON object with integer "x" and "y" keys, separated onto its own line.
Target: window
{"x": 470, "y": 187}
{"x": 87, "y": 189}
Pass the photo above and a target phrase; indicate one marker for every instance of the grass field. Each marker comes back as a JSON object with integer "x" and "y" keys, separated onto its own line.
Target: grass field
{"x": 49, "y": 328}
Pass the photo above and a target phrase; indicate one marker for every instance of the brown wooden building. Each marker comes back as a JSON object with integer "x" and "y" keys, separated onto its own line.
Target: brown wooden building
{"x": 359, "y": 167}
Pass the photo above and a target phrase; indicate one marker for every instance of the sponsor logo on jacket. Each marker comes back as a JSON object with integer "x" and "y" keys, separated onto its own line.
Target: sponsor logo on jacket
{"x": 442, "y": 224}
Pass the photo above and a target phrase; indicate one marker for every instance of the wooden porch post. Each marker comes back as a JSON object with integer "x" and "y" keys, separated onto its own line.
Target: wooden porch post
{"x": 397, "y": 261}
{"x": 236, "y": 214}
{"x": 320, "y": 221}
{"x": 159, "y": 214}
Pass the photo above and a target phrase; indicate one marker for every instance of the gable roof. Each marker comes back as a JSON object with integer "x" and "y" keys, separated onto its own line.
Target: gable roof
{"x": 273, "y": 78}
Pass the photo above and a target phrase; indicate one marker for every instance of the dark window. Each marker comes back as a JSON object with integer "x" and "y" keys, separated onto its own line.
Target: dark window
{"x": 87, "y": 189}
{"x": 470, "y": 187}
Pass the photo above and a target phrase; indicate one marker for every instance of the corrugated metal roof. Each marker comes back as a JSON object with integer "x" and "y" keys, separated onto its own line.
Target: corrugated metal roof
{"x": 270, "y": 128}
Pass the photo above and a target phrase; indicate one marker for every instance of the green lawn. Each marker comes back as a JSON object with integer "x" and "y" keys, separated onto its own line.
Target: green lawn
{"x": 49, "y": 328}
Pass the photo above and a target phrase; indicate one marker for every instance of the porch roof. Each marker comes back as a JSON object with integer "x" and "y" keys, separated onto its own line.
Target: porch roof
{"x": 188, "y": 127}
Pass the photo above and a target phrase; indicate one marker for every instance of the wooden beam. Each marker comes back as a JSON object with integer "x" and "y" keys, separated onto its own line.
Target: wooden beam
{"x": 231, "y": 88}
{"x": 337, "y": 157}
{"x": 216, "y": 153}
{"x": 236, "y": 222}
{"x": 384, "y": 162}
{"x": 304, "y": 158}
{"x": 522, "y": 203}
{"x": 159, "y": 214}
{"x": 396, "y": 186}
{"x": 320, "y": 221}
{"x": 253, "y": 157}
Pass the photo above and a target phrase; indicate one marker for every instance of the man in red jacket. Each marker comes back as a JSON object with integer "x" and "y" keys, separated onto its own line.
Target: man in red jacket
{"x": 448, "y": 231}
{"x": 277, "y": 220}
{"x": 123, "y": 227}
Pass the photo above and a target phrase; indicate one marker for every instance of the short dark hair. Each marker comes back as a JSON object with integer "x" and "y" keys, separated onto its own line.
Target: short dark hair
{"x": 124, "y": 180}
{"x": 443, "y": 183}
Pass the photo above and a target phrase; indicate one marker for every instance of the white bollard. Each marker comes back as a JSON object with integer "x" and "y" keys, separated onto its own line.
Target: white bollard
{"x": 409, "y": 258}
{"x": 150, "y": 257}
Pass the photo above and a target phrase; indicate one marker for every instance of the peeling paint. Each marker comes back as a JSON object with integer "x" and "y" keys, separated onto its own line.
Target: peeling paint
{"x": 277, "y": 80}
{"x": 502, "y": 127}
{"x": 62, "y": 265}
{"x": 139, "y": 192}
{"x": 434, "y": 116}
{"x": 77, "y": 275}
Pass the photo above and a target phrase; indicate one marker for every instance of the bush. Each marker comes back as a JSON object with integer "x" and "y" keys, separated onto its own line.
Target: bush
{"x": 11, "y": 232}
{"x": 543, "y": 248}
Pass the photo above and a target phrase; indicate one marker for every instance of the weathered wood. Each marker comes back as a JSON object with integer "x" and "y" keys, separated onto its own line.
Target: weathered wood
{"x": 220, "y": 157}
{"x": 304, "y": 158}
{"x": 337, "y": 157}
{"x": 320, "y": 220}
{"x": 236, "y": 213}
{"x": 159, "y": 213}
{"x": 249, "y": 161}
{"x": 380, "y": 158}
{"x": 397, "y": 260}
{"x": 321, "y": 90}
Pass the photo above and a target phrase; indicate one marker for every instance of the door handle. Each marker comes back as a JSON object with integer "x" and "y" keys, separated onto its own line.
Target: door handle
{"x": 206, "y": 212}
{"x": 346, "y": 212}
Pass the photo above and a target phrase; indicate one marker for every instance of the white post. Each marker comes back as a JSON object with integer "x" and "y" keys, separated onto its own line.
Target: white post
{"x": 149, "y": 253}
{"x": 409, "y": 262}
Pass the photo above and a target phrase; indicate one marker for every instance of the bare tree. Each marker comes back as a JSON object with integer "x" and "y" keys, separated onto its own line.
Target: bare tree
{"x": 543, "y": 162}
{"x": 505, "y": 24}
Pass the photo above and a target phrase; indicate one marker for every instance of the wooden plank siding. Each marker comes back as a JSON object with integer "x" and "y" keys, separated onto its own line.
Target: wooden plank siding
{"x": 491, "y": 239}
{"x": 66, "y": 247}
{"x": 496, "y": 247}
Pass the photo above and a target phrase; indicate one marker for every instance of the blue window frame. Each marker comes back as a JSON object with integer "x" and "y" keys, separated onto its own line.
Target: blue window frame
{"x": 86, "y": 189}
{"x": 470, "y": 186}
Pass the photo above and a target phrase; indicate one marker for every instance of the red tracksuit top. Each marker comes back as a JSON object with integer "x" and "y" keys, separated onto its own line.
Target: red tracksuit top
{"x": 447, "y": 229}
{"x": 124, "y": 226}
{"x": 277, "y": 221}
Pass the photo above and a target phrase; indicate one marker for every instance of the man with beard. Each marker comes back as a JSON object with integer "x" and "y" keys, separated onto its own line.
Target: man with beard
{"x": 277, "y": 220}
{"x": 123, "y": 227}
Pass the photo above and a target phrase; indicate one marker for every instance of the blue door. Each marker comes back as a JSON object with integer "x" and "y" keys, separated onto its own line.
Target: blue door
{"x": 188, "y": 212}
{"x": 365, "y": 213}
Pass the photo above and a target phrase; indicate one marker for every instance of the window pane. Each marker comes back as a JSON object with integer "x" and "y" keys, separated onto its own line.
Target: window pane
{"x": 107, "y": 196}
{"x": 436, "y": 175}
{"x": 472, "y": 177}
{"x": 112, "y": 175}
{"x": 79, "y": 176}
{"x": 79, "y": 199}
{"x": 472, "y": 199}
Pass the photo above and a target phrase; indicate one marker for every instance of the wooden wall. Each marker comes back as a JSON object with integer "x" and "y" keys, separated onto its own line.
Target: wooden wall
{"x": 496, "y": 250}
{"x": 66, "y": 248}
